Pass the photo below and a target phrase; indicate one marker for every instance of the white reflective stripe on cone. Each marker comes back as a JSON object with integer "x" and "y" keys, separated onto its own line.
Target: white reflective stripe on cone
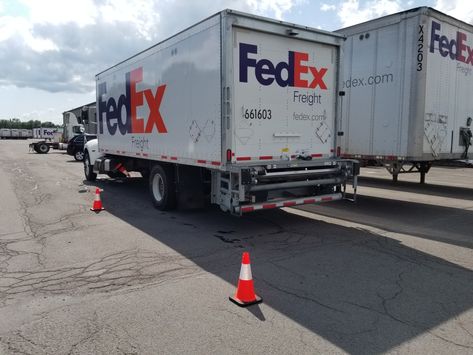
{"x": 245, "y": 272}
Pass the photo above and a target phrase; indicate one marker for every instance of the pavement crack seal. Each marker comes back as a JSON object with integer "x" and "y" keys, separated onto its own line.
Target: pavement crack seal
{"x": 298, "y": 294}
{"x": 111, "y": 272}
{"x": 92, "y": 331}
{"x": 227, "y": 240}
{"x": 31, "y": 197}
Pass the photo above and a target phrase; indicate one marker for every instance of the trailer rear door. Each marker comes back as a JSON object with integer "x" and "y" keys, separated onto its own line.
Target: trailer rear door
{"x": 285, "y": 97}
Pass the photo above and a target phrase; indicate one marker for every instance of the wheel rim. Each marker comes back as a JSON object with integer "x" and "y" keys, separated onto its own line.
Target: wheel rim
{"x": 43, "y": 148}
{"x": 80, "y": 155}
{"x": 158, "y": 187}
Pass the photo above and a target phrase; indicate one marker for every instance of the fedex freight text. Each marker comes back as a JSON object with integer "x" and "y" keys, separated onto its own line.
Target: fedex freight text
{"x": 306, "y": 98}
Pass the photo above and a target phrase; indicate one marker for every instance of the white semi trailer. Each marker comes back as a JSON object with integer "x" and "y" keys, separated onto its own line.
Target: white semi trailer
{"x": 237, "y": 108}
{"x": 408, "y": 87}
{"x": 9, "y": 133}
{"x": 5, "y": 133}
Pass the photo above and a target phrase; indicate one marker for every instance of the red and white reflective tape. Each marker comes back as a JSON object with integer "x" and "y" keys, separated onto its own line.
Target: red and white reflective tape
{"x": 172, "y": 158}
{"x": 288, "y": 203}
{"x": 272, "y": 157}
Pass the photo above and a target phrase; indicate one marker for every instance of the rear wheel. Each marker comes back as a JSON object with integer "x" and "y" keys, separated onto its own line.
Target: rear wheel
{"x": 162, "y": 188}
{"x": 88, "y": 169}
{"x": 43, "y": 148}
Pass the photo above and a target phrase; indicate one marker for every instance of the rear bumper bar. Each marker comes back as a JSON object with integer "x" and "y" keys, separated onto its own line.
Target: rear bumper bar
{"x": 288, "y": 203}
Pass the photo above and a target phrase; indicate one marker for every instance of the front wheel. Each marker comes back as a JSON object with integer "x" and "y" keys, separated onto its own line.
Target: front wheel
{"x": 88, "y": 169}
{"x": 162, "y": 188}
{"x": 79, "y": 155}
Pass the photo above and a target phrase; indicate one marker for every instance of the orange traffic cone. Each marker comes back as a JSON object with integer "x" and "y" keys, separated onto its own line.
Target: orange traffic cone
{"x": 245, "y": 294}
{"x": 97, "y": 206}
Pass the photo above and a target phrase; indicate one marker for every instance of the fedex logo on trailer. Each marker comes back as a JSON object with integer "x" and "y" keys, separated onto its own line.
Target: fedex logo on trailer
{"x": 456, "y": 48}
{"x": 110, "y": 110}
{"x": 284, "y": 73}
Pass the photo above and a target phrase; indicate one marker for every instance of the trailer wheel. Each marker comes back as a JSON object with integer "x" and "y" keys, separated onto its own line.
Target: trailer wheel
{"x": 43, "y": 148}
{"x": 162, "y": 188}
{"x": 88, "y": 168}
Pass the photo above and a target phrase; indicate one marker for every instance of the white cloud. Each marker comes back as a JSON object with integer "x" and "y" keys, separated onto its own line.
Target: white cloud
{"x": 59, "y": 45}
{"x": 352, "y": 12}
{"x": 55, "y": 12}
{"x": 20, "y": 28}
{"x": 277, "y": 7}
{"x": 460, "y": 9}
{"x": 327, "y": 7}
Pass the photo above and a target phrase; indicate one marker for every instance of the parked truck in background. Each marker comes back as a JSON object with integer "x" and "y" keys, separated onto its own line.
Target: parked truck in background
{"x": 407, "y": 80}
{"x": 79, "y": 120}
{"x": 73, "y": 125}
{"x": 237, "y": 108}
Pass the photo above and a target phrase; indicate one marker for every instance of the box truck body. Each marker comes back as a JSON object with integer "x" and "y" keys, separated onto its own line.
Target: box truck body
{"x": 249, "y": 100}
{"x": 408, "y": 84}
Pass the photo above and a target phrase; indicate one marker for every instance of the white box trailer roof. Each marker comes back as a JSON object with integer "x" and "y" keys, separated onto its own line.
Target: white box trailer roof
{"x": 234, "y": 89}
{"x": 408, "y": 83}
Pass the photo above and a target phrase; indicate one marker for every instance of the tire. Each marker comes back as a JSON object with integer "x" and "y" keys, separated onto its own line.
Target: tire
{"x": 43, "y": 148}
{"x": 162, "y": 188}
{"x": 88, "y": 168}
{"x": 79, "y": 155}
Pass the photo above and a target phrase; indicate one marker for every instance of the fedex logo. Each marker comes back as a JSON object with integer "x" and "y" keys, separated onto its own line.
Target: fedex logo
{"x": 266, "y": 72}
{"x": 111, "y": 110}
{"x": 456, "y": 49}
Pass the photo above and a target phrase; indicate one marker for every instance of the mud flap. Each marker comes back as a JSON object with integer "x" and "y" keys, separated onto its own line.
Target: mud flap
{"x": 190, "y": 187}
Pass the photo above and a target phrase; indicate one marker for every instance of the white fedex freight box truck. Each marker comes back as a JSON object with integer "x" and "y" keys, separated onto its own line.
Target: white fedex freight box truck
{"x": 408, "y": 84}
{"x": 238, "y": 109}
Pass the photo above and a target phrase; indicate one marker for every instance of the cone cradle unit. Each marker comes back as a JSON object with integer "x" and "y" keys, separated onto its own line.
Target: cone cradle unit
{"x": 97, "y": 206}
{"x": 245, "y": 294}
{"x": 122, "y": 169}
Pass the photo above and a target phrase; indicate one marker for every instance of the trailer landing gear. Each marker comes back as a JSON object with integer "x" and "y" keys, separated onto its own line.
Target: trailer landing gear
{"x": 396, "y": 168}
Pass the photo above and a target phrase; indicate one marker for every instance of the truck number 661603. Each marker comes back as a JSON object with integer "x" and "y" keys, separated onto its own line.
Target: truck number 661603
{"x": 257, "y": 114}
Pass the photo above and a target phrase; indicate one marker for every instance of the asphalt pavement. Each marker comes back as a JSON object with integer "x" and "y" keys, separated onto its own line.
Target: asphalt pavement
{"x": 391, "y": 273}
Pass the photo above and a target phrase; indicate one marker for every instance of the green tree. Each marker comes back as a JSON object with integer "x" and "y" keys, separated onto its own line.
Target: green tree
{"x": 48, "y": 124}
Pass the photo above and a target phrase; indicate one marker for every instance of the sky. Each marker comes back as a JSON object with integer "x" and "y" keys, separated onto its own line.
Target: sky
{"x": 50, "y": 50}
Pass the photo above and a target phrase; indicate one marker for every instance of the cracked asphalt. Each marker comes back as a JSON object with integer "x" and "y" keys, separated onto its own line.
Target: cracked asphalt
{"x": 389, "y": 274}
